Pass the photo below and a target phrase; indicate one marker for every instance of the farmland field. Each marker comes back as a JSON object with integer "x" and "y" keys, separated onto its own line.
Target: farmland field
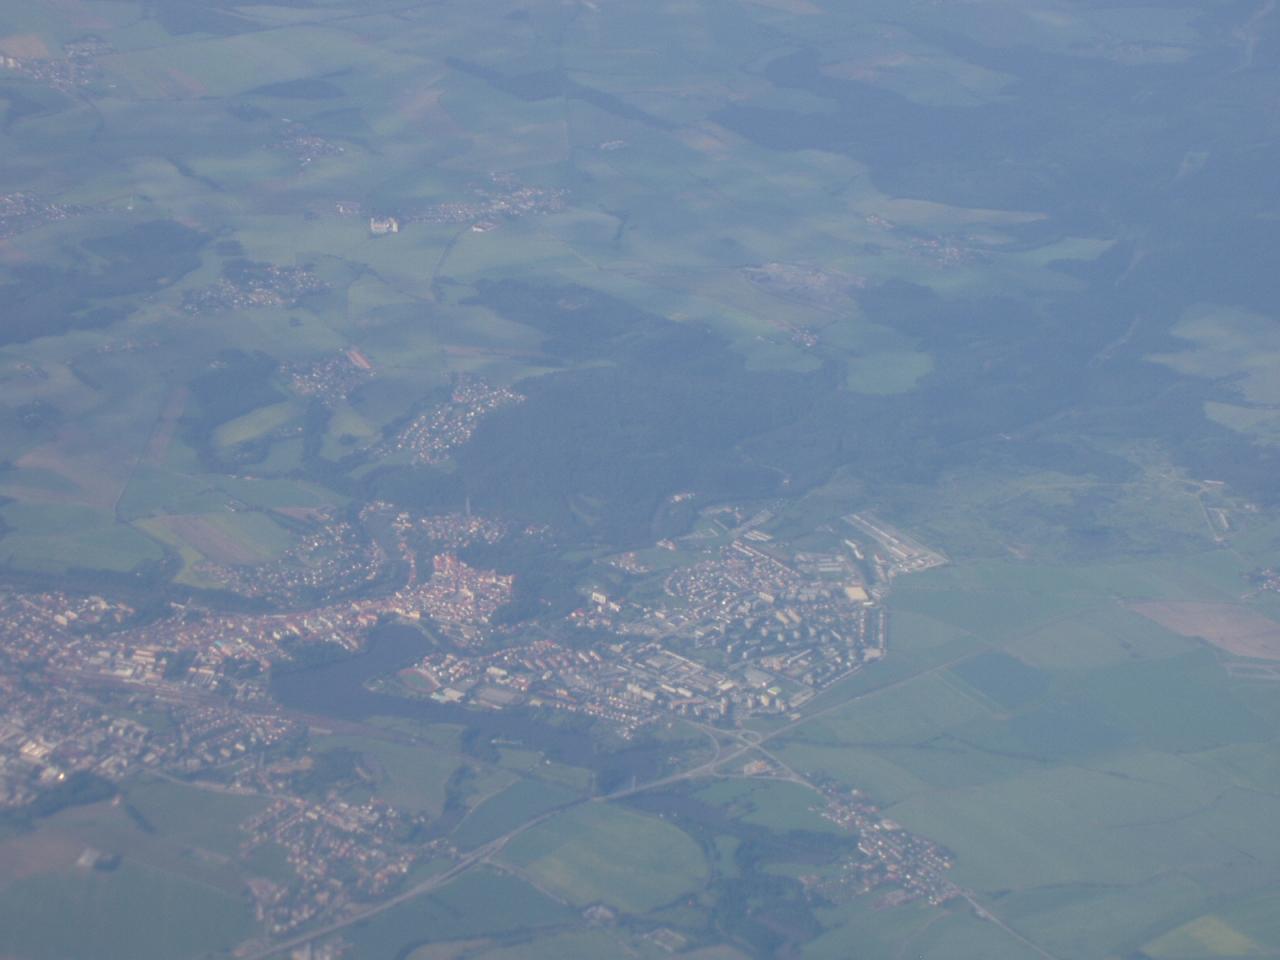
{"x": 184, "y": 920}
{"x": 602, "y": 853}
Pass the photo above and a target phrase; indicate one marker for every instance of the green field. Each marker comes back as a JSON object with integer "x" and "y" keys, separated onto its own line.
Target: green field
{"x": 779, "y": 806}
{"x": 603, "y": 853}
{"x": 1207, "y": 936}
{"x": 253, "y": 425}
{"x": 505, "y": 811}
{"x": 860, "y": 930}
{"x": 462, "y": 909}
{"x": 192, "y": 816}
{"x": 130, "y": 913}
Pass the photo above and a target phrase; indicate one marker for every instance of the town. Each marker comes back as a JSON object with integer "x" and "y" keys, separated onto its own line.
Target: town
{"x": 740, "y": 625}
{"x": 503, "y": 198}
{"x": 754, "y": 629}
{"x": 331, "y": 380}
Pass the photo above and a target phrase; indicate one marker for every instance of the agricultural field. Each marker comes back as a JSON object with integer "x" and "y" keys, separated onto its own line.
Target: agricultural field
{"x": 503, "y": 812}
{"x": 139, "y": 887}
{"x": 1071, "y": 768}
{"x": 461, "y": 910}
{"x": 602, "y": 853}
{"x": 132, "y": 912}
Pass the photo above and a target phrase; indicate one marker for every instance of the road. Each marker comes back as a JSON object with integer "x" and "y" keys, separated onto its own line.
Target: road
{"x": 749, "y": 741}
{"x": 479, "y": 855}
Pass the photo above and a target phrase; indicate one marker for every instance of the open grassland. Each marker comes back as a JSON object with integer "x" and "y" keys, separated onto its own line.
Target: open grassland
{"x": 581, "y": 945}
{"x": 604, "y": 853}
{"x": 114, "y": 828}
{"x": 465, "y": 909}
{"x": 913, "y": 711}
{"x": 48, "y": 540}
{"x": 131, "y": 913}
{"x": 503, "y": 812}
{"x": 1063, "y": 827}
{"x": 859, "y": 930}
{"x": 778, "y": 805}
{"x": 231, "y": 65}
{"x": 1207, "y": 936}
{"x": 866, "y": 769}
{"x": 36, "y": 852}
{"x": 191, "y": 816}
{"x": 1257, "y": 918}
{"x": 1091, "y": 769}
{"x": 888, "y": 372}
{"x": 253, "y": 425}
{"x": 538, "y": 765}
{"x": 1107, "y": 634}
{"x": 996, "y": 602}
{"x": 1232, "y": 344}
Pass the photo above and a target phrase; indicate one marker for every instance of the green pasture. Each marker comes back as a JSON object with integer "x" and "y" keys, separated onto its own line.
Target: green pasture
{"x": 226, "y": 66}
{"x": 1009, "y": 682}
{"x": 157, "y": 490}
{"x": 1105, "y": 635}
{"x": 598, "y": 852}
{"x": 1061, "y": 825}
{"x": 911, "y": 711}
{"x": 537, "y": 765}
{"x": 45, "y": 539}
{"x": 1080, "y": 921}
{"x": 1231, "y": 345}
{"x": 256, "y": 423}
{"x": 1206, "y": 936}
{"x": 507, "y": 810}
{"x": 1181, "y": 704}
{"x": 865, "y": 769}
{"x": 277, "y": 493}
{"x": 133, "y": 912}
{"x": 859, "y": 929}
{"x": 994, "y": 600}
{"x": 778, "y": 805}
{"x": 191, "y": 816}
{"x": 578, "y": 945}
{"x": 464, "y": 908}
{"x": 246, "y": 537}
{"x": 347, "y": 431}
{"x": 888, "y": 372}
{"x": 1249, "y": 766}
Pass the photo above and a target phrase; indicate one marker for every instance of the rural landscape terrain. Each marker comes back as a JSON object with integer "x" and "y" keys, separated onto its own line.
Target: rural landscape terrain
{"x": 576, "y": 479}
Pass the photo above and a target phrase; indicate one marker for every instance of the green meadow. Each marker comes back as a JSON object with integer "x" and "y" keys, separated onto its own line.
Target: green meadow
{"x": 603, "y": 853}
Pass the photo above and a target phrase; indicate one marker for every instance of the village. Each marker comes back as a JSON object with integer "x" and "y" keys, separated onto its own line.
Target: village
{"x": 246, "y": 284}
{"x": 431, "y": 437}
